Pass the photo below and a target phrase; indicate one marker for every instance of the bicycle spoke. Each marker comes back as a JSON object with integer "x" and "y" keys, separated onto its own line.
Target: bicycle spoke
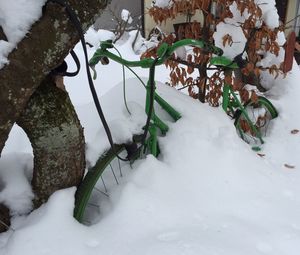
{"x": 268, "y": 124}
{"x": 111, "y": 168}
{"x": 102, "y": 192}
{"x": 93, "y": 205}
{"x": 5, "y": 225}
{"x": 120, "y": 169}
{"x": 259, "y": 116}
{"x": 87, "y": 222}
{"x": 104, "y": 184}
{"x": 98, "y": 183}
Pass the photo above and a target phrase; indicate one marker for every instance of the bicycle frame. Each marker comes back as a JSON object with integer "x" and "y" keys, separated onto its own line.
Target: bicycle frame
{"x": 230, "y": 100}
{"x": 164, "y": 51}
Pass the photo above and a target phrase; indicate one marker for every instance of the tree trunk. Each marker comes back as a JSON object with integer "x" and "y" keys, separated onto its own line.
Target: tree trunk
{"x": 2, "y": 35}
{"x": 44, "y": 48}
{"x": 49, "y": 119}
{"x": 203, "y": 68}
{"x": 56, "y": 136}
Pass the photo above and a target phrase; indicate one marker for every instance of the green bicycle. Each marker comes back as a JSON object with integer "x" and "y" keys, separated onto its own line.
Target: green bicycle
{"x": 89, "y": 191}
{"x": 251, "y": 119}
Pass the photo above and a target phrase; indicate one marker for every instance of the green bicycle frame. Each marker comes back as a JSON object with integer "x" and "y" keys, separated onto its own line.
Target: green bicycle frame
{"x": 229, "y": 94}
{"x": 163, "y": 53}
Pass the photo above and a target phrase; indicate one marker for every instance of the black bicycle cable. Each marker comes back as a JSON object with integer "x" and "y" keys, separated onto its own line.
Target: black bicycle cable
{"x": 77, "y": 62}
{"x": 58, "y": 71}
{"x": 73, "y": 17}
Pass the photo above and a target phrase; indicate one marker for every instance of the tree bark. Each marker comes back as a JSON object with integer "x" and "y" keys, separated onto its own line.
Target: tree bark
{"x": 44, "y": 48}
{"x": 56, "y": 136}
{"x": 49, "y": 119}
{"x": 203, "y": 66}
{"x": 2, "y": 35}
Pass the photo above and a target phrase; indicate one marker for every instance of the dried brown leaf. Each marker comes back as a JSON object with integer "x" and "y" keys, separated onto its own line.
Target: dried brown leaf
{"x": 289, "y": 166}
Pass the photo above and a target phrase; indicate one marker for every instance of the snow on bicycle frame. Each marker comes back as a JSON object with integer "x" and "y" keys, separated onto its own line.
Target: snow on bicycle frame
{"x": 163, "y": 53}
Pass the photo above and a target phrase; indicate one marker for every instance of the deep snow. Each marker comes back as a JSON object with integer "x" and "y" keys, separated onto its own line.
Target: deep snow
{"x": 207, "y": 193}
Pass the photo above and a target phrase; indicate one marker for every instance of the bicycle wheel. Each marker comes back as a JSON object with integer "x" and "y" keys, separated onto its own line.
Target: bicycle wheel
{"x": 254, "y": 122}
{"x": 100, "y": 179}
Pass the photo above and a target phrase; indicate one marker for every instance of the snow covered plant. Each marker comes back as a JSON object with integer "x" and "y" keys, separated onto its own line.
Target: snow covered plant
{"x": 164, "y": 9}
{"x": 248, "y": 31}
{"x": 123, "y": 23}
{"x": 162, "y": 3}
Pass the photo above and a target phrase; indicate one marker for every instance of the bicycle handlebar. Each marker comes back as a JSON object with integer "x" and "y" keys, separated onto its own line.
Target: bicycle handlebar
{"x": 224, "y": 62}
{"x": 163, "y": 53}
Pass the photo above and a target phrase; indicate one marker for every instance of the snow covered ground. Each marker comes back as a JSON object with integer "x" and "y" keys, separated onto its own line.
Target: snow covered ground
{"x": 207, "y": 193}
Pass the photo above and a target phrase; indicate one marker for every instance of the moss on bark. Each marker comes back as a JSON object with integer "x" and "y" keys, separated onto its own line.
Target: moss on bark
{"x": 54, "y": 130}
{"x": 56, "y": 136}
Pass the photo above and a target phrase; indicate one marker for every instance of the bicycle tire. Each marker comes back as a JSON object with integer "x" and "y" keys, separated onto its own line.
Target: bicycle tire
{"x": 261, "y": 123}
{"x": 89, "y": 182}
